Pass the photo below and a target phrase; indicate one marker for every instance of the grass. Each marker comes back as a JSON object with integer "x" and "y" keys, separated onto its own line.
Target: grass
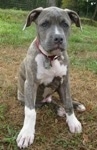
{"x": 2, "y": 110}
{"x": 11, "y": 25}
{"x": 82, "y": 48}
{"x": 7, "y": 134}
{"x": 51, "y": 131}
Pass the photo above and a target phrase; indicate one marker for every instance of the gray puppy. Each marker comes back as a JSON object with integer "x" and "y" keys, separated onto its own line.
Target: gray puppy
{"x": 46, "y": 67}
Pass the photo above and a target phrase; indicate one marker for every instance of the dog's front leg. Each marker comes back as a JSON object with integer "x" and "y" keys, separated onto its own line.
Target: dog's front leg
{"x": 26, "y": 135}
{"x": 72, "y": 121}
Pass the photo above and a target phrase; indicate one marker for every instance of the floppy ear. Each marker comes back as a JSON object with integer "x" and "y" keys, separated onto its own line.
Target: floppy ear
{"x": 74, "y": 17}
{"x": 32, "y": 16}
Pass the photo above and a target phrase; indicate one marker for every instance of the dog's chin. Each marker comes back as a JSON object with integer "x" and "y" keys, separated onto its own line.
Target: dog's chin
{"x": 56, "y": 52}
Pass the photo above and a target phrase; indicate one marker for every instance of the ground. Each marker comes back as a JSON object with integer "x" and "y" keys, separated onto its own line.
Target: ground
{"x": 51, "y": 131}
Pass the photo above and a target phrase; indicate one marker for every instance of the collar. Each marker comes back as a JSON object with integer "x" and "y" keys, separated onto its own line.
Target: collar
{"x": 46, "y": 54}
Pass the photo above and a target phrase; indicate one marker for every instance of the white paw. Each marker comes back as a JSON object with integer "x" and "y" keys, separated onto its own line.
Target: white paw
{"x": 61, "y": 112}
{"x": 26, "y": 135}
{"x": 81, "y": 108}
{"x": 74, "y": 124}
{"x": 25, "y": 138}
{"x": 48, "y": 99}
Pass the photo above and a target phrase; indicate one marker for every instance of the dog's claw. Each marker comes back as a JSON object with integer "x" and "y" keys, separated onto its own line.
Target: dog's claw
{"x": 25, "y": 138}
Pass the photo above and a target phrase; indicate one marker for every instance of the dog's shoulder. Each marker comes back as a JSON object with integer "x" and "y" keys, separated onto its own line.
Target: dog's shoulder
{"x": 28, "y": 62}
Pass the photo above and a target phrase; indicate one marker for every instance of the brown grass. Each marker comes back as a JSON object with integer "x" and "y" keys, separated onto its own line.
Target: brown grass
{"x": 51, "y": 131}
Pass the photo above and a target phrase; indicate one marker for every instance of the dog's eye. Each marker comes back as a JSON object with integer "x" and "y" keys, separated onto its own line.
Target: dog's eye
{"x": 45, "y": 24}
{"x": 64, "y": 24}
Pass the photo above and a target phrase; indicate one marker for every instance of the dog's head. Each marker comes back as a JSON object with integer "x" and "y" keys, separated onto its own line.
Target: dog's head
{"x": 53, "y": 26}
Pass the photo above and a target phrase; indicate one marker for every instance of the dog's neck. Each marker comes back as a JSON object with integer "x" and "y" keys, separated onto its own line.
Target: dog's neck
{"x": 46, "y": 54}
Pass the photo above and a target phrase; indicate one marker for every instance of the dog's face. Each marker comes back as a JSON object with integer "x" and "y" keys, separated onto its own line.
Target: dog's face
{"x": 53, "y": 26}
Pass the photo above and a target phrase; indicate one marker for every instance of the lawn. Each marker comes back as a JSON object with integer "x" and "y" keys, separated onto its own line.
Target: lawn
{"x": 51, "y": 131}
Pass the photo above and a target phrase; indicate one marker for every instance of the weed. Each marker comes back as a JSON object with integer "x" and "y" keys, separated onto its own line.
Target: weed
{"x": 9, "y": 139}
{"x": 2, "y": 111}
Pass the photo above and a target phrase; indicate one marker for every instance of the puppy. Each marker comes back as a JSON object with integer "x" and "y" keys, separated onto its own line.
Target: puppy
{"x": 45, "y": 68}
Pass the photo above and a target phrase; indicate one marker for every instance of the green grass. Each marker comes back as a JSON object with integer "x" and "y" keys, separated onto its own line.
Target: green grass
{"x": 51, "y": 131}
{"x": 7, "y": 133}
{"x": 83, "y": 47}
{"x": 2, "y": 111}
{"x": 89, "y": 64}
{"x": 11, "y": 25}
{"x": 9, "y": 138}
{"x": 84, "y": 40}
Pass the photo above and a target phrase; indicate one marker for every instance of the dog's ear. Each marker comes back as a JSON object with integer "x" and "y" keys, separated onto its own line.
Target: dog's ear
{"x": 32, "y": 16}
{"x": 74, "y": 17}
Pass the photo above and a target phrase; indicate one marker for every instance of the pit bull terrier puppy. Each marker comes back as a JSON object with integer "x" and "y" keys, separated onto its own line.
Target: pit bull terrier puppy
{"x": 46, "y": 66}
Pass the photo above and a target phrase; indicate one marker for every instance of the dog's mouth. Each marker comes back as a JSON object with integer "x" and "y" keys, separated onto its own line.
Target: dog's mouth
{"x": 56, "y": 50}
{"x": 56, "y": 47}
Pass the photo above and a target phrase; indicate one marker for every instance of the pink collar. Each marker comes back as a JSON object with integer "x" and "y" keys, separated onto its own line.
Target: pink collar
{"x": 40, "y": 48}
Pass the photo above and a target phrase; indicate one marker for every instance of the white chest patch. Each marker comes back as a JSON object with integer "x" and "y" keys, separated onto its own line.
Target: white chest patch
{"x": 47, "y": 75}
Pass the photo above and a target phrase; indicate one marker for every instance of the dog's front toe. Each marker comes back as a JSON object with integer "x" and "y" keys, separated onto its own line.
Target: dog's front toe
{"x": 74, "y": 124}
{"x": 25, "y": 138}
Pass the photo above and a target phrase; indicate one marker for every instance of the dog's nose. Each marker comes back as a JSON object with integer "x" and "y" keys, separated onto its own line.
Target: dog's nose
{"x": 58, "y": 39}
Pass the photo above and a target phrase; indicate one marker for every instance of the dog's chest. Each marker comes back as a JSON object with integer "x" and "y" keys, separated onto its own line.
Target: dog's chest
{"x": 47, "y": 74}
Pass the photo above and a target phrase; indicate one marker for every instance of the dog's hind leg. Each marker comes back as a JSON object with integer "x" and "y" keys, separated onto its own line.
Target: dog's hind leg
{"x": 78, "y": 106}
{"x": 21, "y": 81}
{"x": 20, "y": 96}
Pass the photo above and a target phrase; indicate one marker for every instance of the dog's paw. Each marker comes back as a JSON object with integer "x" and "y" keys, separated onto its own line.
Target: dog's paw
{"x": 25, "y": 138}
{"x": 61, "y": 112}
{"x": 74, "y": 124}
{"x": 81, "y": 108}
{"x": 47, "y": 100}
